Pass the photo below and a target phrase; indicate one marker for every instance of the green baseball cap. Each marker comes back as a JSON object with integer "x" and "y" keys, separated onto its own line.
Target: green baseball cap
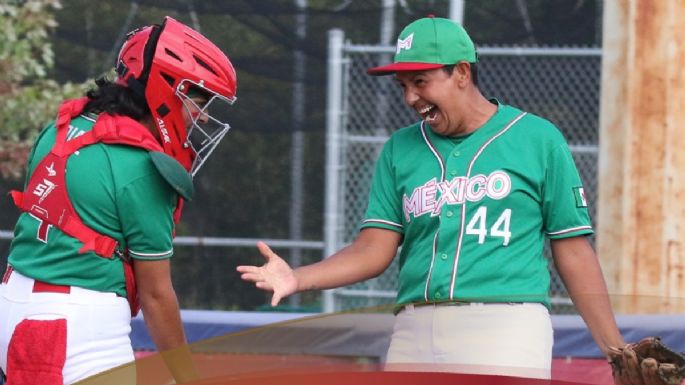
{"x": 429, "y": 43}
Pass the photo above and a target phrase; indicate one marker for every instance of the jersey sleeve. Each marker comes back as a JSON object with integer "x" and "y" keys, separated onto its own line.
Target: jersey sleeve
{"x": 564, "y": 206}
{"x": 146, "y": 208}
{"x": 385, "y": 207}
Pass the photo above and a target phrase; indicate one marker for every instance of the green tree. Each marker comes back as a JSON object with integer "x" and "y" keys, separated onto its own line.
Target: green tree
{"x": 29, "y": 97}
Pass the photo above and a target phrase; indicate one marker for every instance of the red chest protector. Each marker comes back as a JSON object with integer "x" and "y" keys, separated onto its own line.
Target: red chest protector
{"x": 46, "y": 196}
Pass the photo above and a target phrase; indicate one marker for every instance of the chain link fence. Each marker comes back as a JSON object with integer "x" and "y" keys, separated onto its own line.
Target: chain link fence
{"x": 560, "y": 84}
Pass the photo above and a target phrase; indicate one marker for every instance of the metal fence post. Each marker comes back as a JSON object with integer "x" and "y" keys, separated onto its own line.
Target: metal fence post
{"x": 333, "y": 152}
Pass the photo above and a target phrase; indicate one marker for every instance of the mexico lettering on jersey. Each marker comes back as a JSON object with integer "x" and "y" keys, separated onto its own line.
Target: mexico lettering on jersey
{"x": 430, "y": 198}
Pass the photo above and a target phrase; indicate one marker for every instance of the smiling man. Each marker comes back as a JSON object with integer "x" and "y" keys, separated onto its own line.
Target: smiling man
{"x": 470, "y": 191}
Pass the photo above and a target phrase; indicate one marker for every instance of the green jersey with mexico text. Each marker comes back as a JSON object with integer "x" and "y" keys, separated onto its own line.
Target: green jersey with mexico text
{"x": 118, "y": 192}
{"x": 474, "y": 211}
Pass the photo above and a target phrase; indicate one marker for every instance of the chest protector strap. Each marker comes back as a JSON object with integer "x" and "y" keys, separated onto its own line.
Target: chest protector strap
{"x": 46, "y": 196}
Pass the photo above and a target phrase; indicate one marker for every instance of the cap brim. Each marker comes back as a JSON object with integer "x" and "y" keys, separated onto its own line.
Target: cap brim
{"x": 399, "y": 67}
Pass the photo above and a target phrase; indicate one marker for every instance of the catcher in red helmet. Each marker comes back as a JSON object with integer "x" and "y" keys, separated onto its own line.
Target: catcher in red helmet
{"x": 92, "y": 246}
{"x": 168, "y": 74}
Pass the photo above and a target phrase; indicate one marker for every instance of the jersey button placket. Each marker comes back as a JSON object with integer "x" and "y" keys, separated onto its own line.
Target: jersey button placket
{"x": 449, "y": 218}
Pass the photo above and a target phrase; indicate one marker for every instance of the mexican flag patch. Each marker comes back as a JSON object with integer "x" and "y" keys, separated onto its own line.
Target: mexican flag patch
{"x": 579, "y": 194}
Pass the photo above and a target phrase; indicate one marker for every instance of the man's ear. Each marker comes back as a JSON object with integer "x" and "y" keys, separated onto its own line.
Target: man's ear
{"x": 463, "y": 72}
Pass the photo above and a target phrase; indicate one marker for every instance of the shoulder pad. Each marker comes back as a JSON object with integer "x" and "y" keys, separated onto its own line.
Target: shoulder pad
{"x": 174, "y": 174}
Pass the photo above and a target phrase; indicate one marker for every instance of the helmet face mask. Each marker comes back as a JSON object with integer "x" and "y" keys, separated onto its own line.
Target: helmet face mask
{"x": 165, "y": 63}
{"x": 207, "y": 120}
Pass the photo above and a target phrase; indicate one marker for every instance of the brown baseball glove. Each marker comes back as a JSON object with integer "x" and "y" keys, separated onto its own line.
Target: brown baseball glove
{"x": 648, "y": 362}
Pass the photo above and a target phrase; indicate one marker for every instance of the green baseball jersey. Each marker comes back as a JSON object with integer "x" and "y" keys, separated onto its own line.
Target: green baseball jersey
{"x": 118, "y": 192}
{"x": 474, "y": 211}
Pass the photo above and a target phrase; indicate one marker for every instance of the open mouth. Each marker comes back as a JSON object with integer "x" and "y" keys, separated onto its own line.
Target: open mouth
{"x": 429, "y": 113}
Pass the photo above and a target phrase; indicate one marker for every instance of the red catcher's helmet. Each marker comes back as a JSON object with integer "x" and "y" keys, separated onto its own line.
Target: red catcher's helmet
{"x": 170, "y": 64}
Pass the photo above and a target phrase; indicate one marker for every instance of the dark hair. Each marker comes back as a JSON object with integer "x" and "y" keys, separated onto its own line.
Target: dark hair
{"x": 116, "y": 99}
{"x": 474, "y": 72}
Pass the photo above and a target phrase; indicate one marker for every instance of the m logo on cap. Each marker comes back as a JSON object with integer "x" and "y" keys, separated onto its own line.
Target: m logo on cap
{"x": 404, "y": 43}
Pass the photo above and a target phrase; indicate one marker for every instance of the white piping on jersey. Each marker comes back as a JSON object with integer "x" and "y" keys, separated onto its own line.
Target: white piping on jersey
{"x": 430, "y": 270}
{"x": 463, "y": 205}
{"x": 151, "y": 254}
{"x": 86, "y": 117}
{"x": 433, "y": 150}
{"x": 442, "y": 179}
{"x": 572, "y": 229}
{"x": 384, "y": 222}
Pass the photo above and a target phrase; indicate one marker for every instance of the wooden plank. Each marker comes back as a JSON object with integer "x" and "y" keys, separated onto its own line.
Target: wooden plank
{"x": 641, "y": 212}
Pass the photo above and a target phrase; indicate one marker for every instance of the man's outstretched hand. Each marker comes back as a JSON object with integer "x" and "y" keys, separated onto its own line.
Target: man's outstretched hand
{"x": 275, "y": 275}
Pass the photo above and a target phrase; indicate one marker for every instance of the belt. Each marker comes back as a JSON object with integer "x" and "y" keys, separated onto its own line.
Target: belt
{"x": 451, "y": 303}
{"x": 39, "y": 286}
{"x": 463, "y": 303}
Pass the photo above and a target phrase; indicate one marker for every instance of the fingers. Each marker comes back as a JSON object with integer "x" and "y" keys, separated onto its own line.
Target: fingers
{"x": 275, "y": 299}
{"x": 248, "y": 269}
{"x": 631, "y": 372}
{"x": 250, "y": 273}
{"x": 627, "y": 369}
{"x": 260, "y": 274}
{"x": 615, "y": 359}
{"x": 613, "y": 354}
{"x": 252, "y": 277}
{"x": 650, "y": 373}
{"x": 265, "y": 250}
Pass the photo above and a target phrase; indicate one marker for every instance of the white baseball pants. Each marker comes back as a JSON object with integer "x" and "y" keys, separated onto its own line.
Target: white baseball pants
{"x": 53, "y": 337}
{"x": 497, "y": 339}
